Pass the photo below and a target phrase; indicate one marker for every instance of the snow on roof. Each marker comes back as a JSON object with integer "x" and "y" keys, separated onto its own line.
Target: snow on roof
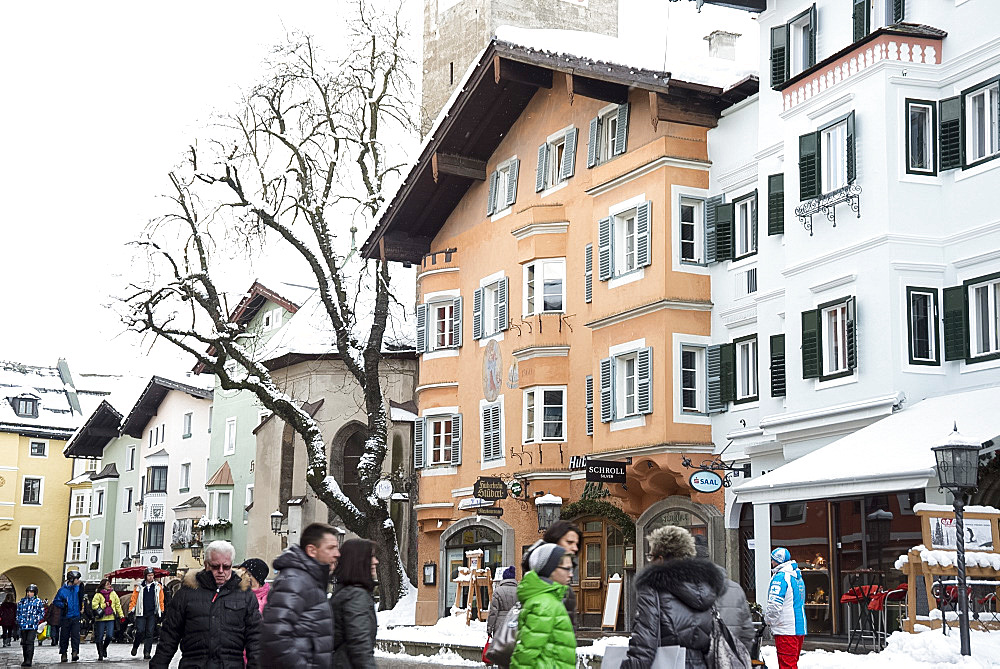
{"x": 894, "y": 448}
{"x": 55, "y": 409}
{"x": 695, "y": 68}
{"x": 948, "y": 508}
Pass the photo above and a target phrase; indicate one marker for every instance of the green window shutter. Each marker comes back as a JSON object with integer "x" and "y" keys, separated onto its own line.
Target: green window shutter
{"x": 727, "y": 372}
{"x": 810, "y": 344}
{"x": 898, "y": 10}
{"x": 643, "y": 252}
{"x": 607, "y": 390}
{"x": 502, "y": 293}
{"x": 710, "y": 230}
{"x": 779, "y": 55}
{"x": 852, "y": 150}
{"x": 456, "y": 439}
{"x": 604, "y": 249}
{"x": 621, "y": 137}
{"x": 590, "y": 404}
{"x": 568, "y": 167}
{"x": 813, "y": 29}
{"x": 542, "y": 168}
{"x": 593, "y": 142}
{"x": 753, "y": 222}
{"x": 725, "y": 215}
{"x": 512, "y": 182}
{"x": 491, "y": 200}
{"x": 588, "y": 274}
{"x": 477, "y": 314}
{"x": 418, "y": 443}
{"x": 852, "y": 333}
{"x": 456, "y": 323}
{"x": 862, "y": 18}
{"x": 421, "y": 328}
{"x": 809, "y": 181}
{"x": 776, "y": 204}
{"x": 778, "y": 365}
{"x": 713, "y": 379}
{"x": 956, "y": 323}
{"x": 950, "y": 132}
{"x": 644, "y": 380}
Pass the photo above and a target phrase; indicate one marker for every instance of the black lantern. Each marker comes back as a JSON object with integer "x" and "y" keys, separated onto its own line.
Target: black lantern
{"x": 548, "y": 508}
{"x": 276, "y": 518}
{"x": 196, "y": 551}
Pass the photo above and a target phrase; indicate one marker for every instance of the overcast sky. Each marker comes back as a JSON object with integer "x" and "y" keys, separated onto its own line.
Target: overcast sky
{"x": 100, "y": 99}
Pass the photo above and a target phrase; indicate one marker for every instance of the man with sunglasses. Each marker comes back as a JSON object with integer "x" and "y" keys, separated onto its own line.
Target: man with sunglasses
{"x": 214, "y": 618}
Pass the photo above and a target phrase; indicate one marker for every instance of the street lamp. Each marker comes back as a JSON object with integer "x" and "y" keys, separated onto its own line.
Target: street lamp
{"x": 276, "y": 519}
{"x": 548, "y": 508}
{"x": 957, "y": 465}
{"x": 196, "y": 551}
{"x": 879, "y": 526}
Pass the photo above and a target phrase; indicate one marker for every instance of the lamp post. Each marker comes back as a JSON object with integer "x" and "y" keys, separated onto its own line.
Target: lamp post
{"x": 548, "y": 508}
{"x": 957, "y": 465}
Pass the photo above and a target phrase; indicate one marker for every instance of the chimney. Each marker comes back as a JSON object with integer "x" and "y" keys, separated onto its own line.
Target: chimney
{"x": 722, "y": 44}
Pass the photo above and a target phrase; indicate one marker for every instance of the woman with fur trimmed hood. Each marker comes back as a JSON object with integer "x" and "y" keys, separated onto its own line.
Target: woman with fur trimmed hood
{"x": 675, "y": 595}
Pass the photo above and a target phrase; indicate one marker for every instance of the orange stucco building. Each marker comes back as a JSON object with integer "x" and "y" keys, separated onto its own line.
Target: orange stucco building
{"x": 549, "y": 217}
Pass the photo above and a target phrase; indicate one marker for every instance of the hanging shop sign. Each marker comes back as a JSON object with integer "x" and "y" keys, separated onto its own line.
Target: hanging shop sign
{"x": 472, "y": 503}
{"x": 605, "y": 471}
{"x": 495, "y": 511}
{"x": 705, "y": 480}
{"x": 515, "y": 488}
{"x": 383, "y": 489}
{"x": 490, "y": 487}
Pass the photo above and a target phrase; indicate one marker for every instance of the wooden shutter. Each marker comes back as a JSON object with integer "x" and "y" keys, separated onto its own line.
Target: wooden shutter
{"x": 588, "y": 273}
{"x": 456, "y": 323}
{"x": 753, "y": 222}
{"x": 607, "y": 390}
{"x": 862, "y": 18}
{"x": 644, "y": 380}
{"x": 809, "y": 182}
{"x": 477, "y": 314}
{"x": 898, "y": 10}
{"x": 590, "y": 404}
{"x": 710, "y": 231}
{"x": 778, "y": 365}
{"x": 604, "y": 266}
{"x": 725, "y": 215}
{"x": 852, "y": 150}
{"x": 713, "y": 379}
{"x": 512, "y": 182}
{"x": 418, "y": 443}
{"x": 491, "y": 200}
{"x": 956, "y": 323}
{"x": 727, "y": 372}
{"x": 492, "y": 449}
{"x": 542, "y": 168}
{"x": 593, "y": 142}
{"x": 779, "y": 55}
{"x": 622, "y": 135}
{"x": 852, "y": 333}
{"x": 776, "y": 204}
{"x": 568, "y": 167}
{"x": 812, "y": 36}
{"x": 811, "y": 344}
{"x": 950, "y": 132}
{"x": 643, "y": 252}
{"x": 502, "y": 294}
{"x": 421, "y": 328}
{"x": 456, "y": 439}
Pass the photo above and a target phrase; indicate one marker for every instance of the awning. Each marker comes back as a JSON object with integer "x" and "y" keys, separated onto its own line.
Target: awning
{"x": 891, "y": 454}
{"x": 135, "y": 572}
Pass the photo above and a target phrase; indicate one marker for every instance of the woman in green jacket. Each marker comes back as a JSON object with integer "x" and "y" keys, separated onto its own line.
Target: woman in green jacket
{"x": 545, "y": 638}
{"x": 107, "y": 609}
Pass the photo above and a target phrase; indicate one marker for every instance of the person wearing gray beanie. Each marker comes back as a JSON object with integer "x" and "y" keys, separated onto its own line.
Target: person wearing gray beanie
{"x": 544, "y": 559}
{"x": 545, "y": 636}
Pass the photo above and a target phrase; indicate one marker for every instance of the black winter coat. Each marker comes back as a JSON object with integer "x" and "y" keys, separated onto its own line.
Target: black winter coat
{"x": 674, "y": 608}
{"x": 298, "y": 623}
{"x": 355, "y": 626}
{"x": 213, "y": 626}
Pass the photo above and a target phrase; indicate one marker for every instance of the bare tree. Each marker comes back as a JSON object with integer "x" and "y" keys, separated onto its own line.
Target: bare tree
{"x": 304, "y": 160}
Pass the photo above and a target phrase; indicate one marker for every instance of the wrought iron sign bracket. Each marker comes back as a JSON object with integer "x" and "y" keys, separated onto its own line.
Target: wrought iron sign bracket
{"x": 827, "y": 205}
{"x": 522, "y": 498}
{"x": 719, "y": 465}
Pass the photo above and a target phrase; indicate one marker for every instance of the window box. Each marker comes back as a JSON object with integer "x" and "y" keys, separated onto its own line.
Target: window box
{"x": 437, "y": 440}
{"x": 623, "y": 242}
{"x": 608, "y": 134}
{"x": 626, "y": 385}
{"x": 556, "y": 159}
{"x": 544, "y": 417}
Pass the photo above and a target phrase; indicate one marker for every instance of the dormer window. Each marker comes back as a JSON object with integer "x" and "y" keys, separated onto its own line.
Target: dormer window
{"x": 25, "y": 407}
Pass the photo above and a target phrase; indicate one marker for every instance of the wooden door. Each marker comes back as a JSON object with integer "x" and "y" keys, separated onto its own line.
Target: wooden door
{"x": 601, "y": 556}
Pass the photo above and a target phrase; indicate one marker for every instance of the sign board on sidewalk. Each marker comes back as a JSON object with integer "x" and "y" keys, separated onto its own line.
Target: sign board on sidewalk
{"x": 605, "y": 471}
{"x": 490, "y": 487}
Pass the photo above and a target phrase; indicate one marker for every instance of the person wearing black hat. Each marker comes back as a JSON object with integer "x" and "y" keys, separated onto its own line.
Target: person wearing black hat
{"x": 69, "y": 600}
{"x": 147, "y": 605}
{"x": 257, "y": 570}
{"x": 30, "y": 612}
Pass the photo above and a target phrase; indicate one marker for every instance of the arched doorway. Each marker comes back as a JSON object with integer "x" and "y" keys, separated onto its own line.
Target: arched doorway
{"x": 494, "y": 537}
{"x": 23, "y": 576}
{"x": 703, "y": 521}
{"x": 601, "y": 556}
{"x": 347, "y": 449}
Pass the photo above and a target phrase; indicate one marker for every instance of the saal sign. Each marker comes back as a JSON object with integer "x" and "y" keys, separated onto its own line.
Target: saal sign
{"x": 705, "y": 480}
{"x": 605, "y": 471}
{"x": 490, "y": 487}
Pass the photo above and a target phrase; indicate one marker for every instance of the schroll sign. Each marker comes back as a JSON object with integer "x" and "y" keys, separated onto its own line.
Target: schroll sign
{"x": 605, "y": 471}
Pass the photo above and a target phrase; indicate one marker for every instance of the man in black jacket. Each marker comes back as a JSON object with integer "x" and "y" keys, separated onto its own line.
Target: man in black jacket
{"x": 298, "y": 620}
{"x": 214, "y": 618}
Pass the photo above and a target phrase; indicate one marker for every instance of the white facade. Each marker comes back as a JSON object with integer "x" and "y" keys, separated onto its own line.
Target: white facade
{"x": 929, "y": 231}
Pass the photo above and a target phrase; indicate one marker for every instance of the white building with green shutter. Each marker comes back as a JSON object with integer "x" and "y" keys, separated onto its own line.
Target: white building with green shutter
{"x": 855, "y": 262}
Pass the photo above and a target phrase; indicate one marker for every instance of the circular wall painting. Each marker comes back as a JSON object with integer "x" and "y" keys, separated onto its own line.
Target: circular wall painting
{"x": 492, "y": 371}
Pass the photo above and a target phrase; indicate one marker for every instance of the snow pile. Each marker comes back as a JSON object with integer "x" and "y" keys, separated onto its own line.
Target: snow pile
{"x": 950, "y": 558}
{"x": 404, "y": 613}
{"x": 450, "y": 630}
{"x": 444, "y": 657}
{"x": 948, "y": 508}
{"x": 597, "y": 649}
{"x": 900, "y": 561}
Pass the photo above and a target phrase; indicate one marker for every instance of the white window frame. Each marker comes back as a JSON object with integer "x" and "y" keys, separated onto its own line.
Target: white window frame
{"x": 744, "y": 243}
{"x": 747, "y": 370}
{"x": 38, "y": 538}
{"x": 91, "y": 465}
{"x": 557, "y": 148}
{"x": 620, "y": 234}
{"x": 930, "y": 295}
{"x": 128, "y": 494}
{"x": 130, "y": 459}
{"x": 187, "y": 420}
{"x": 928, "y": 130}
{"x": 626, "y": 368}
{"x": 184, "y": 482}
{"x": 247, "y": 501}
{"x": 491, "y": 309}
{"x": 75, "y": 549}
{"x": 99, "y": 505}
{"x": 271, "y": 319}
{"x": 798, "y": 45}
{"x": 438, "y": 453}
{"x": 435, "y": 321}
{"x": 229, "y": 443}
{"x": 698, "y": 370}
{"x": 833, "y": 154}
{"x": 531, "y": 284}
{"x": 94, "y": 553}
{"x": 989, "y": 134}
{"x": 984, "y": 343}
{"x": 697, "y": 225}
{"x": 45, "y": 448}
{"x": 80, "y": 504}
{"x": 608, "y": 133}
{"x": 833, "y": 324}
{"x": 533, "y": 415}
{"x": 226, "y": 495}
{"x": 41, "y": 490}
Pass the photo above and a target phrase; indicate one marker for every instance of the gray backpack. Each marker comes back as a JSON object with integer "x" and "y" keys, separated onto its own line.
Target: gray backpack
{"x": 724, "y": 651}
{"x": 505, "y": 640}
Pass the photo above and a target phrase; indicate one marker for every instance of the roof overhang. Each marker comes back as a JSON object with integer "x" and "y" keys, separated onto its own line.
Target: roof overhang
{"x": 749, "y": 5}
{"x": 101, "y": 427}
{"x": 147, "y": 404}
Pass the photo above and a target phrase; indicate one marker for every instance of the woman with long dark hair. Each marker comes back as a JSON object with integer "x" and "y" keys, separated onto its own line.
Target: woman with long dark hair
{"x": 107, "y": 609}
{"x": 567, "y": 535}
{"x": 354, "y": 606}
